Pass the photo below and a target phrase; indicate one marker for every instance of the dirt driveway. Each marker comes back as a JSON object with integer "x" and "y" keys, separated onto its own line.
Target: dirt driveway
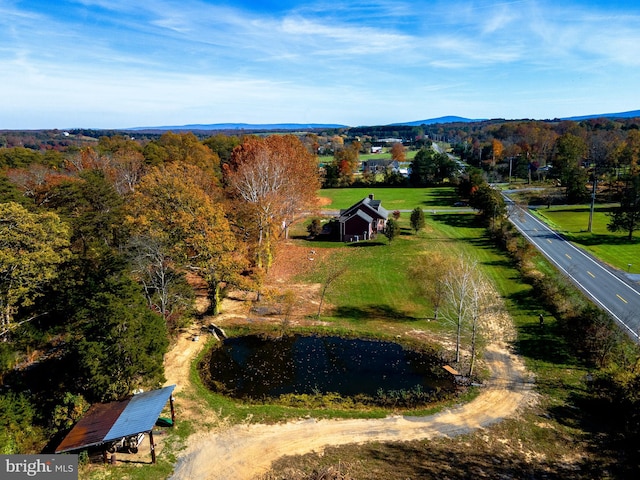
{"x": 246, "y": 451}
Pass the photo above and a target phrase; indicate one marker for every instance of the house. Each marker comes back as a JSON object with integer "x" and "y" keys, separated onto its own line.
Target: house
{"x": 363, "y": 220}
{"x": 376, "y": 165}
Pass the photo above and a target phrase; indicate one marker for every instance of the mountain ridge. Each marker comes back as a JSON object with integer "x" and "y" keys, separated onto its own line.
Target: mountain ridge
{"x": 318, "y": 126}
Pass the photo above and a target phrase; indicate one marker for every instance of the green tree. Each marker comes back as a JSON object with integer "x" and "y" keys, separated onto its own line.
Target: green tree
{"x": 489, "y": 202}
{"x": 93, "y": 208}
{"x": 32, "y": 246}
{"x": 122, "y": 343}
{"x": 626, "y": 217}
{"x": 570, "y": 152}
{"x": 417, "y": 219}
{"x": 429, "y": 167}
{"x": 315, "y": 227}
{"x": 391, "y": 229}
{"x": 18, "y": 432}
{"x": 223, "y": 146}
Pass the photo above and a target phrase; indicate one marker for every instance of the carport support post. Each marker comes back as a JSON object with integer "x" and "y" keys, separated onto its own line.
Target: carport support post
{"x": 153, "y": 447}
{"x": 173, "y": 412}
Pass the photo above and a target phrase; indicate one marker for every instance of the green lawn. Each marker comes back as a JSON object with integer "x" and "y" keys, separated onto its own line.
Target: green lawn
{"x": 613, "y": 248}
{"x": 392, "y": 198}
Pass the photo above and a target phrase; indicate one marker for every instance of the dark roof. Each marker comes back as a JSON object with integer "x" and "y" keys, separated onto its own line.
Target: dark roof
{"x": 368, "y": 205}
{"x": 362, "y": 215}
{"x": 109, "y": 421}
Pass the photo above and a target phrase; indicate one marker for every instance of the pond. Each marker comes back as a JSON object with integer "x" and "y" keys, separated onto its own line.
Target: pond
{"x": 255, "y": 367}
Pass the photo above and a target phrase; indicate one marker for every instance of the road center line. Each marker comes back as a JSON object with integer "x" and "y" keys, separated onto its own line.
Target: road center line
{"x": 591, "y": 274}
{"x": 621, "y": 298}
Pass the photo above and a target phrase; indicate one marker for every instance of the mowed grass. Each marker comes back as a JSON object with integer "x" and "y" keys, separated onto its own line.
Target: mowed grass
{"x": 613, "y": 248}
{"x": 377, "y": 286}
{"x": 392, "y": 198}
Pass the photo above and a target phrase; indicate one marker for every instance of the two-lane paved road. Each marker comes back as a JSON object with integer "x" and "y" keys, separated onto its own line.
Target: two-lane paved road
{"x": 608, "y": 288}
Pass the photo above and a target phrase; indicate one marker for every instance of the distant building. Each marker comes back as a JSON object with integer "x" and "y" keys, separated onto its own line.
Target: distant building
{"x": 376, "y": 165}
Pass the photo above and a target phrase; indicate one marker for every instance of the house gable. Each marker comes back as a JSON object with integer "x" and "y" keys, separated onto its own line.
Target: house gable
{"x": 363, "y": 220}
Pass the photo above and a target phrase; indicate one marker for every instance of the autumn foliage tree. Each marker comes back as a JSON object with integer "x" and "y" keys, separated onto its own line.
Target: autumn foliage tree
{"x": 188, "y": 226}
{"x": 397, "y": 152}
{"x": 346, "y": 161}
{"x": 270, "y": 181}
{"x": 32, "y": 245}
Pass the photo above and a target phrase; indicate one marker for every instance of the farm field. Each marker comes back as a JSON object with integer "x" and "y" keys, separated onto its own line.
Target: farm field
{"x": 613, "y": 248}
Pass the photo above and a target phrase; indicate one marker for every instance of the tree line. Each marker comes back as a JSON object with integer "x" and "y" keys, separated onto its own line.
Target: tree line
{"x": 100, "y": 248}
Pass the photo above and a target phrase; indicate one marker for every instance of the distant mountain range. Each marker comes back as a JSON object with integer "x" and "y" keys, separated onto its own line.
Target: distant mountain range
{"x": 321, "y": 126}
{"x": 630, "y": 114}
{"x": 241, "y": 126}
{"x": 431, "y": 121}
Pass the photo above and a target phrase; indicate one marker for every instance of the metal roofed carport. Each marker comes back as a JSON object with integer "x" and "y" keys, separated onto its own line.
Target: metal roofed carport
{"x": 106, "y": 422}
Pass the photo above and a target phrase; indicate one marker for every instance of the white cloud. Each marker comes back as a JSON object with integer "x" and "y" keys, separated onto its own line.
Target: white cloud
{"x": 164, "y": 59}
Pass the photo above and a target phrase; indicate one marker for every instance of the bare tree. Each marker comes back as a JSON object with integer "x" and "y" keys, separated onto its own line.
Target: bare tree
{"x": 467, "y": 296}
{"x": 272, "y": 180}
{"x": 333, "y": 272}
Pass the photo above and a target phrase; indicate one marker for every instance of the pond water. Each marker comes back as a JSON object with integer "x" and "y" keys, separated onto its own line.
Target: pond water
{"x": 256, "y": 367}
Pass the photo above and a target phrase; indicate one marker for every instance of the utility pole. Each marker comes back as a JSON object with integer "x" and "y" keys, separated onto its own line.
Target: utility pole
{"x": 593, "y": 200}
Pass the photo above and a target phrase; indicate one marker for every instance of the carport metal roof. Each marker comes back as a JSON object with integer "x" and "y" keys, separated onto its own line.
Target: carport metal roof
{"x": 109, "y": 421}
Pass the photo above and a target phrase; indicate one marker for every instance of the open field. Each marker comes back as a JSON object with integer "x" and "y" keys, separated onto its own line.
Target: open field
{"x": 613, "y": 248}
{"x": 392, "y": 198}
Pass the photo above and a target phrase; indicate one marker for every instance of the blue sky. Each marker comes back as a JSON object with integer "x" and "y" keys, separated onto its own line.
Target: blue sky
{"x": 121, "y": 63}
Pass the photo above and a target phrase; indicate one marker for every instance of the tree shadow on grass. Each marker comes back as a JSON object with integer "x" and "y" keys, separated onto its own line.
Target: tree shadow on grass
{"x": 447, "y": 458}
{"x": 544, "y": 343}
{"x": 602, "y": 239}
{"x": 372, "y": 312}
{"x": 613, "y": 449}
{"x": 460, "y": 220}
{"x": 365, "y": 244}
{"x": 439, "y": 197}
{"x": 527, "y": 301}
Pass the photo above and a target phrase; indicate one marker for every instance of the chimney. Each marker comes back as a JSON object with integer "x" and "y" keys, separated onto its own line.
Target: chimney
{"x": 371, "y": 196}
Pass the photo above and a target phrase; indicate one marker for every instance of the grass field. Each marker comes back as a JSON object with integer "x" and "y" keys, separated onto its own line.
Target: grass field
{"x": 392, "y": 198}
{"x": 613, "y": 248}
